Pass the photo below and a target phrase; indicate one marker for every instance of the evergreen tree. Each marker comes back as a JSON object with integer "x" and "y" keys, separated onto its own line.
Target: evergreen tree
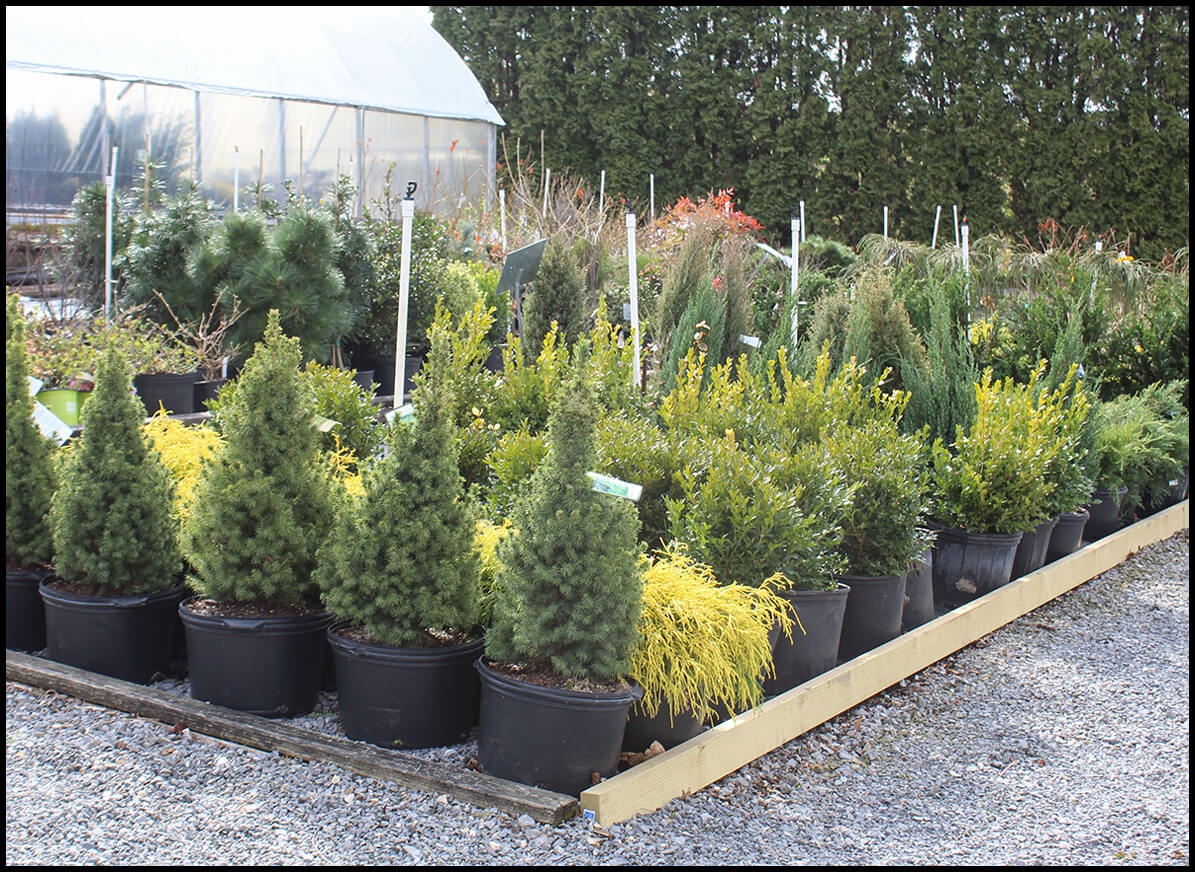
{"x": 399, "y": 560}
{"x": 262, "y": 507}
{"x": 28, "y": 457}
{"x": 569, "y": 587}
{"x": 557, "y": 294}
{"x": 113, "y": 524}
{"x": 156, "y": 258}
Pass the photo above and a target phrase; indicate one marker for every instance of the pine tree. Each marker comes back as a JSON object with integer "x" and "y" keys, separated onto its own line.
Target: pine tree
{"x": 262, "y": 507}
{"x": 28, "y": 457}
{"x": 569, "y": 586}
{"x": 556, "y": 295}
{"x": 400, "y": 559}
{"x": 113, "y": 524}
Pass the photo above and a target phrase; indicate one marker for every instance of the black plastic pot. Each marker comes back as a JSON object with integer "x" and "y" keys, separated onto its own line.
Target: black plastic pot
{"x": 1105, "y": 513}
{"x": 24, "y": 614}
{"x": 364, "y": 380}
{"x": 128, "y": 637}
{"x": 969, "y": 565}
{"x": 1031, "y": 551}
{"x": 1067, "y": 536}
{"x": 493, "y": 361}
{"x": 174, "y": 391}
{"x": 383, "y": 373}
{"x": 206, "y": 391}
{"x": 549, "y": 737}
{"x": 269, "y": 666}
{"x": 816, "y": 650}
{"x": 1176, "y": 490}
{"x": 668, "y": 728}
{"x": 406, "y": 697}
{"x": 874, "y": 610}
{"x": 919, "y": 593}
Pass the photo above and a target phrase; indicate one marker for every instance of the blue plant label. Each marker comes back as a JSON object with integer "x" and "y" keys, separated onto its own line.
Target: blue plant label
{"x": 606, "y": 484}
{"x": 588, "y": 815}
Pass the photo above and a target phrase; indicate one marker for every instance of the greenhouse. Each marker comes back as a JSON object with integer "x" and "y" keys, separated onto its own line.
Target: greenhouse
{"x": 234, "y": 99}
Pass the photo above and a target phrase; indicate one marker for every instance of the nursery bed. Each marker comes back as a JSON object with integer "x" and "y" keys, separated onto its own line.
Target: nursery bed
{"x": 684, "y": 769}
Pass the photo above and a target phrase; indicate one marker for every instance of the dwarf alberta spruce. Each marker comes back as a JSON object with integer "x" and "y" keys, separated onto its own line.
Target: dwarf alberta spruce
{"x": 569, "y": 587}
{"x": 28, "y": 457}
{"x": 401, "y": 558}
{"x": 114, "y": 528}
{"x": 262, "y": 506}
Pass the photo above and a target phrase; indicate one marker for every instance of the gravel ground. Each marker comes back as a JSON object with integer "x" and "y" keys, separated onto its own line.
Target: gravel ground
{"x": 1061, "y": 739}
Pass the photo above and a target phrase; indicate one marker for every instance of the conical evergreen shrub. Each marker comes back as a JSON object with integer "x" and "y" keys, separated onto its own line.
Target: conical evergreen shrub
{"x": 28, "y": 457}
{"x": 569, "y": 587}
{"x": 557, "y": 294}
{"x": 113, "y": 524}
{"x": 263, "y": 506}
{"x": 400, "y": 560}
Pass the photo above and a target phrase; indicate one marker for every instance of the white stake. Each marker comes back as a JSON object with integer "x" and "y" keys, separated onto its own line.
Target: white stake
{"x": 957, "y": 240}
{"x": 502, "y": 213}
{"x": 633, "y": 268}
{"x": 803, "y": 224}
{"x": 236, "y": 178}
{"x": 937, "y": 217}
{"x": 652, "y": 187}
{"x": 547, "y": 182}
{"x": 111, "y": 192}
{"x": 967, "y": 272}
{"x": 602, "y": 195}
{"x": 793, "y": 288}
{"x": 404, "y": 287}
{"x": 885, "y": 223}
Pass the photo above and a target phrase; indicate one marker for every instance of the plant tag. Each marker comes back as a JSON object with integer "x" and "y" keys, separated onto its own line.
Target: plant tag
{"x": 588, "y": 814}
{"x": 324, "y": 424}
{"x": 753, "y": 341}
{"x": 405, "y": 414}
{"x": 50, "y": 425}
{"x": 626, "y": 311}
{"x": 34, "y": 385}
{"x": 606, "y": 484}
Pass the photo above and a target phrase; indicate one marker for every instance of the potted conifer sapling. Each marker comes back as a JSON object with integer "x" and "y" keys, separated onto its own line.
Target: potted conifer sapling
{"x": 400, "y": 569}
{"x": 256, "y": 632}
{"x": 113, "y": 606}
{"x": 569, "y": 592}
{"x": 28, "y": 489}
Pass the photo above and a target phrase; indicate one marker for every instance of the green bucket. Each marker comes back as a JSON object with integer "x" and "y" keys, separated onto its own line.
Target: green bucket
{"x": 63, "y": 402}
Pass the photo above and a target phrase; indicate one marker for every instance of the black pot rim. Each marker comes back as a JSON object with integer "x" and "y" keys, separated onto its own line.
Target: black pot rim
{"x": 1073, "y": 517}
{"x": 276, "y": 623}
{"x": 872, "y": 579}
{"x": 413, "y": 657}
{"x": 956, "y": 535}
{"x": 120, "y": 601}
{"x": 555, "y": 696}
{"x": 795, "y": 593}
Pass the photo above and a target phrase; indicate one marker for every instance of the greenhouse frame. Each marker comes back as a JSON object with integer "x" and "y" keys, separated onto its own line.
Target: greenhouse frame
{"x": 239, "y": 99}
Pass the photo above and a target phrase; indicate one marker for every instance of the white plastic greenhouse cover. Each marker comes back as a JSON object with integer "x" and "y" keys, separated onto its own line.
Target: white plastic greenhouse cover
{"x": 395, "y": 61}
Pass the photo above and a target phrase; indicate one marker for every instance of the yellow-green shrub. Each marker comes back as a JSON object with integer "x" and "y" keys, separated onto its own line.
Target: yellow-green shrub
{"x": 703, "y": 645}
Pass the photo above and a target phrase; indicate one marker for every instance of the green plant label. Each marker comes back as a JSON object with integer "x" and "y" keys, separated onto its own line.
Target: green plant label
{"x": 324, "y": 424}
{"x": 606, "y": 484}
{"x": 405, "y": 414}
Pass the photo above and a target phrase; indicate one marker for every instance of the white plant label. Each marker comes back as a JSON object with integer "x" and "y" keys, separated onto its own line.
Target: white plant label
{"x": 753, "y": 341}
{"x": 606, "y": 484}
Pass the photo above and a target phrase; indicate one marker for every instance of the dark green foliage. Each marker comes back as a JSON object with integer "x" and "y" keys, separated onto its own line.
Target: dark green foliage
{"x": 156, "y": 259}
{"x": 569, "y": 587}
{"x": 28, "y": 457}
{"x": 634, "y": 449}
{"x": 86, "y": 239}
{"x": 1017, "y": 114}
{"x": 429, "y": 253}
{"x": 1151, "y": 343}
{"x": 878, "y": 333}
{"x": 113, "y": 525}
{"x": 557, "y": 294}
{"x": 942, "y": 397}
{"x": 880, "y": 530}
{"x": 355, "y": 258}
{"x": 702, "y": 325}
{"x": 687, "y": 273}
{"x": 400, "y": 560}
{"x": 262, "y": 507}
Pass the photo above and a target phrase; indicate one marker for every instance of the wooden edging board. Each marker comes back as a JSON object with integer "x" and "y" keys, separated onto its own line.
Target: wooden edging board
{"x": 273, "y": 735}
{"x": 723, "y": 749}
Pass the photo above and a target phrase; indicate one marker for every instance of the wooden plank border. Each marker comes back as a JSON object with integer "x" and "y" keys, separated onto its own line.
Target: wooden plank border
{"x": 273, "y": 735}
{"x": 730, "y": 745}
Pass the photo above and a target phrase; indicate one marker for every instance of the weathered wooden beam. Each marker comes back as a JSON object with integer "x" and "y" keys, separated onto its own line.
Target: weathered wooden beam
{"x": 274, "y": 735}
{"x": 721, "y": 750}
